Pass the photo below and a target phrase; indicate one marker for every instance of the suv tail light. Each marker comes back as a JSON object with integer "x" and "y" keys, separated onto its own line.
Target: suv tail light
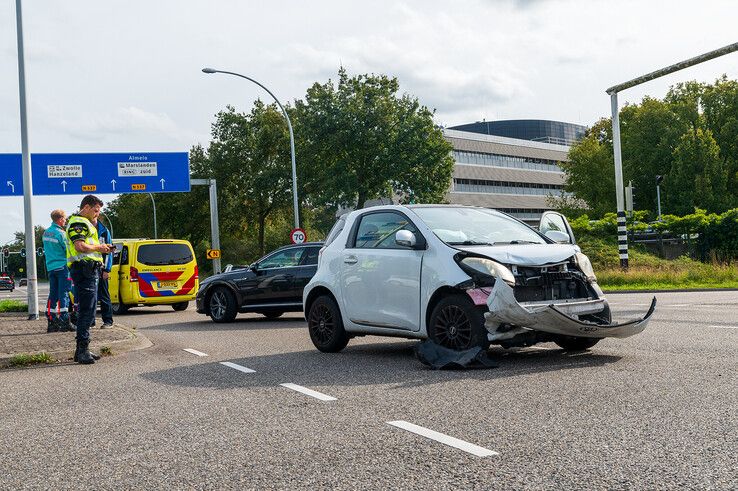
{"x": 134, "y": 274}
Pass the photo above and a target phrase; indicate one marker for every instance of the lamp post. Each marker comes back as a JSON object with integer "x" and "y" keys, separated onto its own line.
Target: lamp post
{"x": 658, "y": 194}
{"x": 153, "y": 204}
{"x": 289, "y": 126}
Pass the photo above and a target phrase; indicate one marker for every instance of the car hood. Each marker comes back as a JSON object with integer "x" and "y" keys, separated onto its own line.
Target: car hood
{"x": 526, "y": 254}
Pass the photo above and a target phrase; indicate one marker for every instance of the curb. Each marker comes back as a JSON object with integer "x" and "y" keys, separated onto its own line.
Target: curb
{"x": 678, "y": 290}
{"x": 135, "y": 341}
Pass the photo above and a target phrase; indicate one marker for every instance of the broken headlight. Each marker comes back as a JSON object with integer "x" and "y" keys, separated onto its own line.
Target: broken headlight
{"x": 585, "y": 265}
{"x": 476, "y": 265}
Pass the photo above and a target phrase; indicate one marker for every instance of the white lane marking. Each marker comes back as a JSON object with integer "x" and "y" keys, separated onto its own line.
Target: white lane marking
{"x": 309, "y": 392}
{"x": 445, "y": 439}
{"x": 235, "y": 366}
{"x": 725, "y": 327}
{"x": 195, "y": 352}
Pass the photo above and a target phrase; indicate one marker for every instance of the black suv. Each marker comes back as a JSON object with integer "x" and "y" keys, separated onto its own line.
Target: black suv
{"x": 271, "y": 286}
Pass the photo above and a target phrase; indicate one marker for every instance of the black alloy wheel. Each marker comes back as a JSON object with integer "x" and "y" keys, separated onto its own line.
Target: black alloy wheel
{"x": 326, "y": 326}
{"x": 457, "y": 324}
{"x": 222, "y": 305}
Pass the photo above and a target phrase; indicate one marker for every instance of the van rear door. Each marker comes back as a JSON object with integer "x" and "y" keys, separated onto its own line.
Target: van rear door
{"x": 165, "y": 269}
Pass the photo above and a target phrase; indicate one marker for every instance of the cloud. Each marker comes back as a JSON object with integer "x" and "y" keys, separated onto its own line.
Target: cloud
{"x": 417, "y": 51}
{"x": 124, "y": 123}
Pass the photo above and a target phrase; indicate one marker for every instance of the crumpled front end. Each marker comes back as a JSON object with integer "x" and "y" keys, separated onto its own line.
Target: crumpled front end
{"x": 554, "y": 317}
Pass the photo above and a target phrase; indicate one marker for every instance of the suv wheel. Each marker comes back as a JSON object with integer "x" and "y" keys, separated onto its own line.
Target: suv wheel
{"x": 457, "y": 324}
{"x": 222, "y": 305}
{"x": 326, "y": 326}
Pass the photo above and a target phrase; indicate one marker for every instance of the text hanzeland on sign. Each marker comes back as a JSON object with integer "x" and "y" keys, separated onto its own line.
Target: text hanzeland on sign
{"x": 62, "y": 171}
{"x": 136, "y": 169}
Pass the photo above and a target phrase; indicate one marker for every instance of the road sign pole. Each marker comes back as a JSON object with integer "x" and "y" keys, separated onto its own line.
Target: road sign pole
{"x": 153, "y": 204}
{"x": 27, "y": 190}
{"x": 214, "y": 229}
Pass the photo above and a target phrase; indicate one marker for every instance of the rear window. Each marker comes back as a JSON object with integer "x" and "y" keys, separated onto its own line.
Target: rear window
{"x": 164, "y": 254}
{"x": 337, "y": 228}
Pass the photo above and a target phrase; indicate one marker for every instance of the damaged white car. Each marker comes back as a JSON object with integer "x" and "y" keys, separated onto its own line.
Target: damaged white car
{"x": 462, "y": 276}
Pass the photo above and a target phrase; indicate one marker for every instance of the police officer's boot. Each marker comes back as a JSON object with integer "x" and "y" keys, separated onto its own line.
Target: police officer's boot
{"x": 52, "y": 324}
{"x": 65, "y": 325}
{"x": 82, "y": 354}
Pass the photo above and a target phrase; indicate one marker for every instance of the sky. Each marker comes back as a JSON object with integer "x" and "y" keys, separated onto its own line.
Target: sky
{"x": 125, "y": 76}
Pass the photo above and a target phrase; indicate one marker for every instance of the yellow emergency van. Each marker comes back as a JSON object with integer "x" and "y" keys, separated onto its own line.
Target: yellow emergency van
{"x": 152, "y": 272}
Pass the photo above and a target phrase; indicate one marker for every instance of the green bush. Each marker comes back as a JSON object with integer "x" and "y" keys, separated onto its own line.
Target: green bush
{"x": 13, "y": 306}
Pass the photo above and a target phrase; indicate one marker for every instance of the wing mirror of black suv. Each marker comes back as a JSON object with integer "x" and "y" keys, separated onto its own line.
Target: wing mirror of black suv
{"x": 254, "y": 267}
{"x": 405, "y": 238}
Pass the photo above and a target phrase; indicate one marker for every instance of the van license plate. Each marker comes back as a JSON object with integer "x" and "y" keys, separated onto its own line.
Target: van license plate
{"x": 166, "y": 284}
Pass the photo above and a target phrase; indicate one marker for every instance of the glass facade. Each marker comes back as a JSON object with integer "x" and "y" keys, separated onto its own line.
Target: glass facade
{"x": 505, "y": 187}
{"x": 497, "y": 160}
{"x": 541, "y": 130}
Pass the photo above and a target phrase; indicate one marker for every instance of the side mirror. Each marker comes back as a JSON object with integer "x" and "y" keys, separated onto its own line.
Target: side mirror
{"x": 405, "y": 238}
{"x": 558, "y": 237}
{"x": 254, "y": 267}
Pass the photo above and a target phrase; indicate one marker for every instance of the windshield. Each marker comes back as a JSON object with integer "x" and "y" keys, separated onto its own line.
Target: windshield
{"x": 476, "y": 226}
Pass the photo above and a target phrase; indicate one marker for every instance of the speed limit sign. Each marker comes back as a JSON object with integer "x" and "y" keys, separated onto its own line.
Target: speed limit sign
{"x": 298, "y": 236}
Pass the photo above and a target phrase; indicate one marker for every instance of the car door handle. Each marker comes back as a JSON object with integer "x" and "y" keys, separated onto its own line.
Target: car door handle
{"x": 350, "y": 260}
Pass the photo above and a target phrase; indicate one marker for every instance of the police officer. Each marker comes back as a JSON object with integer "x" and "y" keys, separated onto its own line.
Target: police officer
{"x": 55, "y": 253}
{"x": 84, "y": 258}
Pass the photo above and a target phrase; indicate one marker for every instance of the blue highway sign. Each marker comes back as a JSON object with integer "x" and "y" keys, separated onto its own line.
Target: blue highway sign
{"x": 11, "y": 174}
{"x": 110, "y": 173}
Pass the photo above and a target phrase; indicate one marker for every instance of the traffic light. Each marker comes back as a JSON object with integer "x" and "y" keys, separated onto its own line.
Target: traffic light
{"x": 23, "y": 252}
{"x": 6, "y": 252}
{"x": 659, "y": 179}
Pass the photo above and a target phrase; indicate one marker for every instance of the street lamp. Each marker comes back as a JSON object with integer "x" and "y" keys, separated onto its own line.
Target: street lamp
{"x": 658, "y": 194}
{"x": 292, "y": 136}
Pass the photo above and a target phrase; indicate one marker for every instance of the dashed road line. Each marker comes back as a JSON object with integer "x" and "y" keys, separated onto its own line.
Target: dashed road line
{"x": 238, "y": 367}
{"x": 309, "y": 392}
{"x": 195, "y": 352}
{"x": 725, "y": 327}
{"x": 445, "y": 439}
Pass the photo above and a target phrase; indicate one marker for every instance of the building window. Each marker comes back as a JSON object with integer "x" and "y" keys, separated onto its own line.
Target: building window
{"x": 506, "y": 187}
{"x": 509, "y": 161}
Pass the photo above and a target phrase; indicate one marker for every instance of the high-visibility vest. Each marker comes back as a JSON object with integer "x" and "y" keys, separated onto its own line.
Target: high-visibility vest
{"x": 91, "y": 238}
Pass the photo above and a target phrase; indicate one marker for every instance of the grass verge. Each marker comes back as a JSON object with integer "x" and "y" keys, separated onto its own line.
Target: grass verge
{"x": 13, "y": 306}
{"x": 649, "y": 272}
{"x": 24, "y": 360}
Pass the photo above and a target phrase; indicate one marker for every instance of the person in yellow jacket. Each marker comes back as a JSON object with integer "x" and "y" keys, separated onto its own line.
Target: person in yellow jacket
{"x": 84, "y": 258}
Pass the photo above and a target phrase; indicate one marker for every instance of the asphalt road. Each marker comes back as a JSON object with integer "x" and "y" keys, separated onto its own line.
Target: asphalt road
{"x": 657, "y": 411}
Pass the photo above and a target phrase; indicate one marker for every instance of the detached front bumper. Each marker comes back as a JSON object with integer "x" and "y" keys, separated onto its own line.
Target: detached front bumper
{"x": 556, "y": 318}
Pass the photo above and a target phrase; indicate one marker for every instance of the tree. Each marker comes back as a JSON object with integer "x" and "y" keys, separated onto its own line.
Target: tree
{"x": 250, "y": 157}
{"x": 698, "y": 177}
{"x": 720, "y": 105}
{"x": 590, "y": 171}
{"x": 650, "y": 133}
{"x": 360, "y": 140}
